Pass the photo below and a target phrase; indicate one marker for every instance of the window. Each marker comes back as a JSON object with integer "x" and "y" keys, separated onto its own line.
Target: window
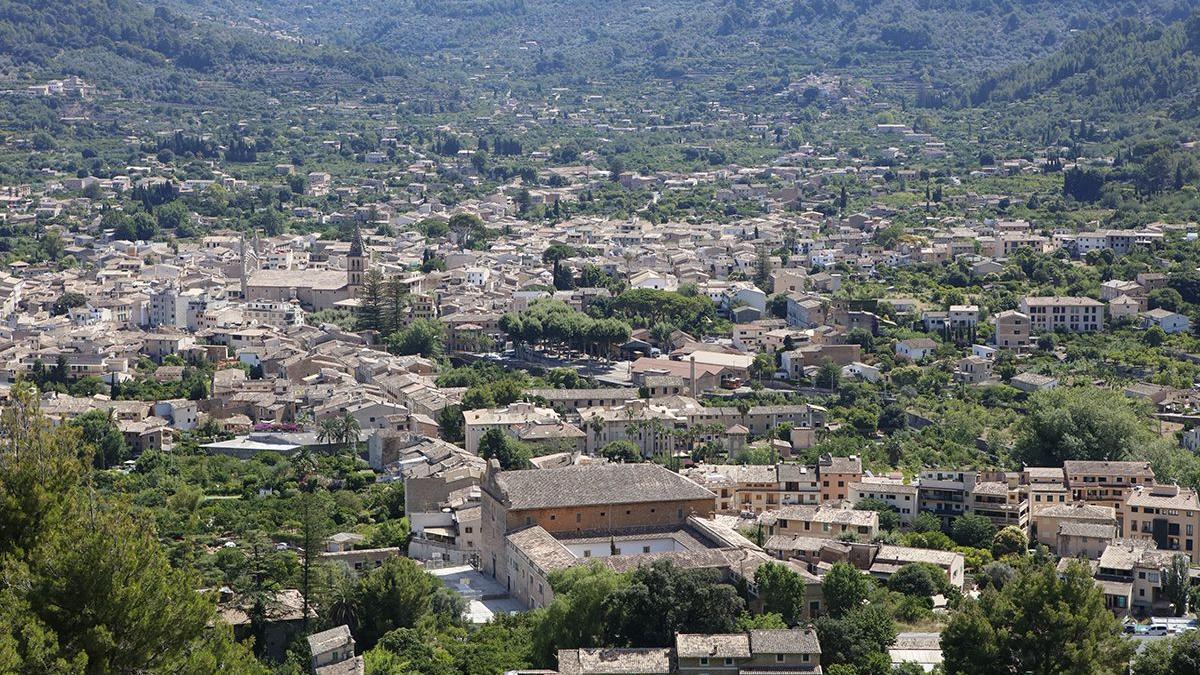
{"x": 704, "y": 660}
{"x": 779, "y": 658}
{"x": 578, "y": 517}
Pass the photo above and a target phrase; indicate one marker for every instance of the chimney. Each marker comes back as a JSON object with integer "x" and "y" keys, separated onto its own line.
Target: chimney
{"x": 692, "y": 373}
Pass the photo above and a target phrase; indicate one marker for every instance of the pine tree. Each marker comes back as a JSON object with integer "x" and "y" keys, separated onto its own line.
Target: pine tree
{"x": 370, "y": 313}
{"x": 762, "y": 269}
{"x": 395, "y": 303}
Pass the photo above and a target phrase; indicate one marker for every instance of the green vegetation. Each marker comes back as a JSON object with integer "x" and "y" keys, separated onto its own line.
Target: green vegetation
{"x": 90, "y": 589}
{"x": 1040, "y": 621}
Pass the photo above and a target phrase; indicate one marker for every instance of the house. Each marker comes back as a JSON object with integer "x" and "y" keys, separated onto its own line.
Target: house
{"x": 518, "y": 415}
{"x": 862, "y": 371}
{"x": 1170, "y": 322}
{"x": 973, "y": 370}
{"x": 611, "y": 661}
{"x": 923, "y": 649}
{"x": 888, "y": 559}
{"x": 1013, "y": 330}
{"x": 1032, "y": 382}
{"x": 916, "y": 349}
{"x": 836, "y": 474}
{"x": 1047, "y": 523}
{"x": 332, "y": 653}
{"x": 963, "y": 316}
{"x": 1130, "y": 574}
{"x": 901, "y": 496}
{"x": 794, "y": 650}
{"x": 1123, "y": 306}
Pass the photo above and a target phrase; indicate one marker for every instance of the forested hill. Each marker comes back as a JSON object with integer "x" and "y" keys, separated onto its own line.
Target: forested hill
{"x": 1116, "y": 69}
{"x": 562, "y": 40}
{"x": 132, "y": 42}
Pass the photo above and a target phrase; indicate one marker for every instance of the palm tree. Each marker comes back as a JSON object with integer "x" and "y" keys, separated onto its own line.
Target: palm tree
{"x": 348, "y": 428}
{"x": 304, "y": 464}
{"x": 343, "y": 606}
{"x": 329, "y": 430}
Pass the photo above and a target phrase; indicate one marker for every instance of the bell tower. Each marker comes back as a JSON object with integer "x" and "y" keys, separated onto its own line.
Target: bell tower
{"x": 356, "y": 263}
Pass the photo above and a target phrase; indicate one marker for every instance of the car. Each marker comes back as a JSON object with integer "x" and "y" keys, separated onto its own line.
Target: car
{"x": 1156, "y": 629}
{"x": 1131, "y": 628}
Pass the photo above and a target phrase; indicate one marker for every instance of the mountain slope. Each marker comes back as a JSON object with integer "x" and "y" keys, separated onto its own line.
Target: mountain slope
{"x": 134, "y": 45}
{"x": 559, "y": 40}
{"x": 1119, "y": 68}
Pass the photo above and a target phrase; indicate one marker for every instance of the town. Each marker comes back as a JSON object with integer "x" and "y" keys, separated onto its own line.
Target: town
{"x": 530, "y": 370}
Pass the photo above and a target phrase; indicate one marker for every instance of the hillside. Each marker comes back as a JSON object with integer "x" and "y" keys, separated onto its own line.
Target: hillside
{"x": 563, "y": 40}
{"x": 1119, "y": 68}
{"x": 137, "y": 46}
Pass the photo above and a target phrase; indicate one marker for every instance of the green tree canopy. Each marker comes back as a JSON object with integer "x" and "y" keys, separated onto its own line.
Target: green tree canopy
{"x": 88, "y": 588}
{"x": 782, "y": 592}
{"x": 972, "y": 530}
{"x": 1042, "y": 622}
{"x": 1010, "y": 540}
{"x": 1078, "y": 423}
{"x": 844, "y": 588}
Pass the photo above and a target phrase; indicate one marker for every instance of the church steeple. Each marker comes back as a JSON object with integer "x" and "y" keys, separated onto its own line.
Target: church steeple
{"x": 356, "y": 263}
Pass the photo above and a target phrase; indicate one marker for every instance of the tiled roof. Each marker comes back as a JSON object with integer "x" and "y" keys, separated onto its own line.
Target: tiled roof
{"x": 604, "y": 661}
{"x": 794, "y": 641}
{"x": 735, "y": 645}
{"x": 1106, "y": 468}
{"x": 596, "y": 484}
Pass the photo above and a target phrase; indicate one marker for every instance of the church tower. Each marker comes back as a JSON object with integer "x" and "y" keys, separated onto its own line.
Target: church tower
{"x": 356, "y": 263}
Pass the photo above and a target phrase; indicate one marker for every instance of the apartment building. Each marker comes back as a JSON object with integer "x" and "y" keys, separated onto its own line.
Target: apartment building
{"x": 1005, "y": 502}
{"x": 836, "y": 474}
{"x": 1165, "y": 515}
{"x": 894, "y": 492}
{"x": 755, "y": 489}
{"x": 946, "y": 494}
{"x": 1073, "y": 314}
{"x": 1105, "y": 483}
{"x": 823, "y": 522}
